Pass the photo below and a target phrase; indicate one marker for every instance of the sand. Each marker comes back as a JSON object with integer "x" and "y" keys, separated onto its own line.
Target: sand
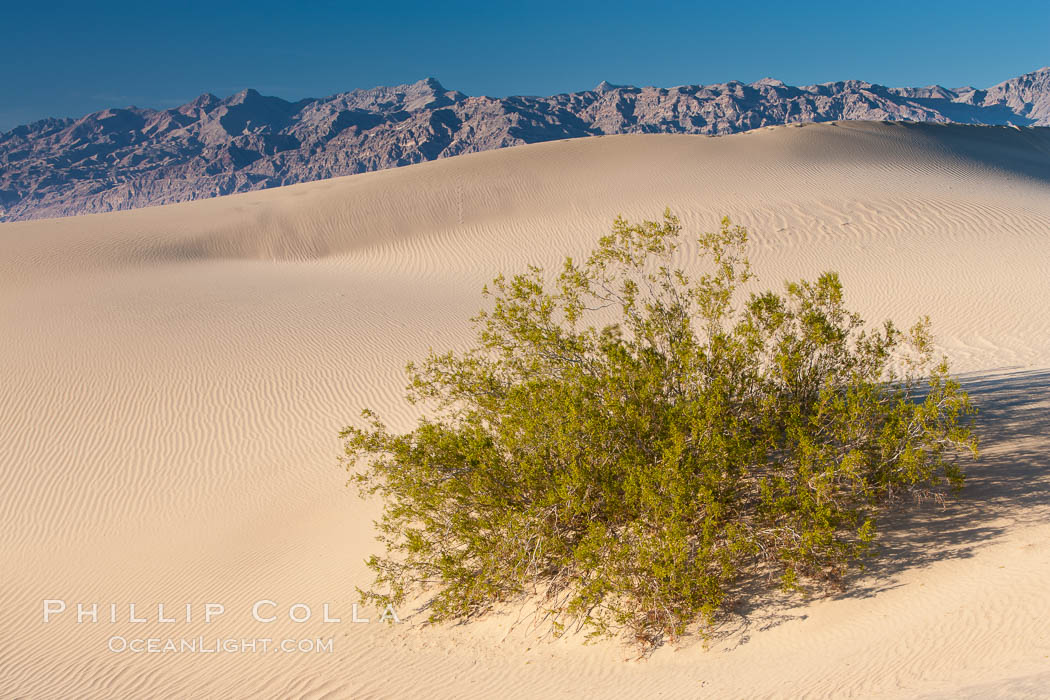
{"x": 174, "y": 379}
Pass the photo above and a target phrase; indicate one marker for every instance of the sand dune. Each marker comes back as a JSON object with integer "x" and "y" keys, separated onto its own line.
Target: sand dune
{"x": 174, "y": 379}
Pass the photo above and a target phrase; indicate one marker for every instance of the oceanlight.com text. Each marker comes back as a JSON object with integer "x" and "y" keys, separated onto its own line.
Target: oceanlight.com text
{"x": 216, "y": 645}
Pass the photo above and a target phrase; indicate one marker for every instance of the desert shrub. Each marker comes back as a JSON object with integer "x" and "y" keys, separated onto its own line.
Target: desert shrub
{"x": 637, "y": 476}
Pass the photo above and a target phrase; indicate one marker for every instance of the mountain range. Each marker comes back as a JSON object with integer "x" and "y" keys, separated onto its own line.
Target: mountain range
{"x": 131, "y": 157}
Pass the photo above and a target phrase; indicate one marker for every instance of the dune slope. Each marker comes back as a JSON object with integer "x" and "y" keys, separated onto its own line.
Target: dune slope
{"x": 174, "y": 379}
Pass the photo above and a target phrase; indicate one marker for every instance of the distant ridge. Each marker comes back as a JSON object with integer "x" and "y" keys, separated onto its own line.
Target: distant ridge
{"x": 126, "y": 158}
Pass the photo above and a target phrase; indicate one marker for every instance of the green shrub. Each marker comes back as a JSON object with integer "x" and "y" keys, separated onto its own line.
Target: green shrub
{"x": 638, "y": 476}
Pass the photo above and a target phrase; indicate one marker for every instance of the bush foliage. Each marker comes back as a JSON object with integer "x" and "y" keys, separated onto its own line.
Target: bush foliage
{"x": 637, "y": 476}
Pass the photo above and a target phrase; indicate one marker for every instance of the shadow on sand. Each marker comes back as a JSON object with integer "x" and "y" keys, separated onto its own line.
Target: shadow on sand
{"x": 1008, "y": 487}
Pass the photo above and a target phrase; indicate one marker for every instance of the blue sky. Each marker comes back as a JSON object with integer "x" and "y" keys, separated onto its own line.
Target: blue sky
{"x": 69, "y": 58}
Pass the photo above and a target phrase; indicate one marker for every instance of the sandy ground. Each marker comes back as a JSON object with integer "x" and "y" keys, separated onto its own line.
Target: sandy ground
{"x": 174, "y": 379}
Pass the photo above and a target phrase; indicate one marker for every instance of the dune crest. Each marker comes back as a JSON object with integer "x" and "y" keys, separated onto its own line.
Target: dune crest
{"x": 215, "y": 146}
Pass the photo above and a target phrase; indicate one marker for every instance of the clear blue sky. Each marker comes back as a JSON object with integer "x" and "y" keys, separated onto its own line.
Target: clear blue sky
{"x": 69, "y": 58}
